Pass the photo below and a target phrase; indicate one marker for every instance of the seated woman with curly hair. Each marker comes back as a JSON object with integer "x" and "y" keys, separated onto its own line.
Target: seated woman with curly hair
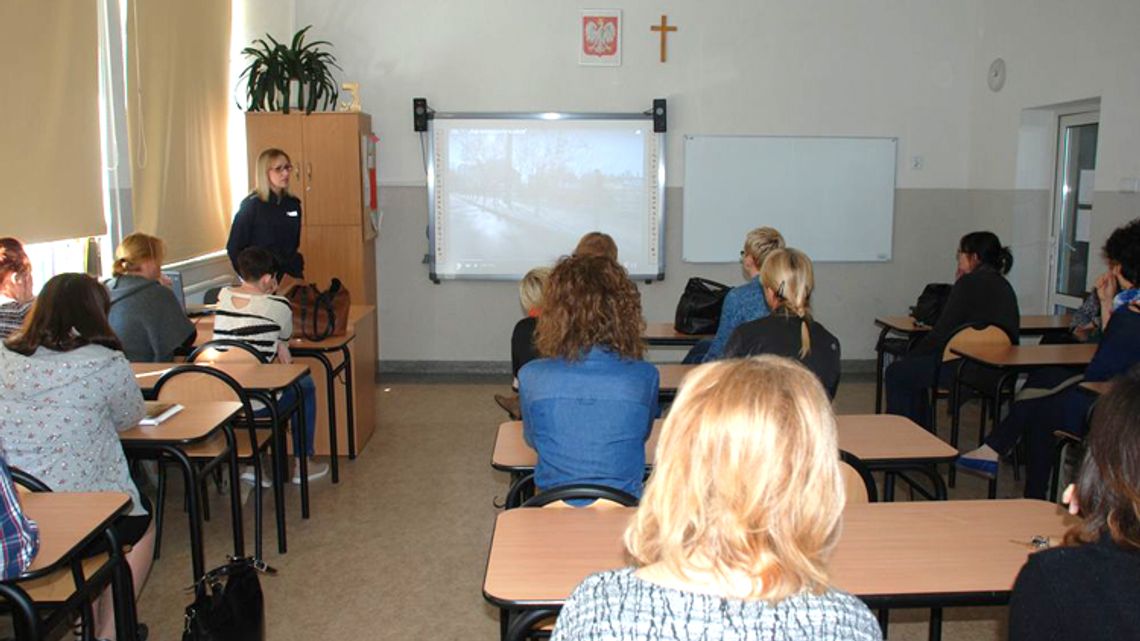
{"x": 589, "y": 402}
{"x": 733, "y": 536}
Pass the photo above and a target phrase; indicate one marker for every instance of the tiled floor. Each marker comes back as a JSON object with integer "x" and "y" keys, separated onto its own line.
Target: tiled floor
{"x": 397, "y": 549}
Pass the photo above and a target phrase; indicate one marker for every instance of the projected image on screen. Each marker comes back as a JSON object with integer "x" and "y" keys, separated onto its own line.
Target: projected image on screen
{"x": 514, "y": 194}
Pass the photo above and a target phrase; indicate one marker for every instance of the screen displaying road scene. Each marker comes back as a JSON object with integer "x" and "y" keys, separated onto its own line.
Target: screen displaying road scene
{"x": 512, "y": 194}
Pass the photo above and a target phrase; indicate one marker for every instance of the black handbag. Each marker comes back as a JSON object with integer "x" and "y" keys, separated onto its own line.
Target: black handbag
{"x": 698, "y": 311}
{"x": 933, "y": 298}
{"x": 228, "y": 604}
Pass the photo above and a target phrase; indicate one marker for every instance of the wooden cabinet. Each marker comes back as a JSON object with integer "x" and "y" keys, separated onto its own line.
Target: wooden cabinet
{"x": 337, "y": 238}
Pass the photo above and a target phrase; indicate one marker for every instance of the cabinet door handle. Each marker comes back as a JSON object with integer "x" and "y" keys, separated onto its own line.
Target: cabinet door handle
{"x": 308, "y": 176}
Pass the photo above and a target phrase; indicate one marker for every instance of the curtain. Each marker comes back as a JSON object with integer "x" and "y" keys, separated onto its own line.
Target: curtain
{"x": 177, "y": 79}
{"x": 50, "y": 130}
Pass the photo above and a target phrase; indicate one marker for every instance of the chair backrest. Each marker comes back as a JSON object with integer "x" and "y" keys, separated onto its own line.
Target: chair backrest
{"x": 227, "y": 351}
{"x": 200, "y": 383}
{"x": 25, "y": 482}
{"x": 857, "y": 479}
{"x": 601, "y": 495}
{"x": 975, "y": 335}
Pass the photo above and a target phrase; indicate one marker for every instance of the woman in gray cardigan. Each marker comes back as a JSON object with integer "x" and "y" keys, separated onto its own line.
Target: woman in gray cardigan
{"x": 145, "y": 314}
{"x": 68, "y": 391}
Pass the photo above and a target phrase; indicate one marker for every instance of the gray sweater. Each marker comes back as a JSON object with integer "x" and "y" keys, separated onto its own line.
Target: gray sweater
{"x": 147, "y": 319}
{"x": 619, "y": 606}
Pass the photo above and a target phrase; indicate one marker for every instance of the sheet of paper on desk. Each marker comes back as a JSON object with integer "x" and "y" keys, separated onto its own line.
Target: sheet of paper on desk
{"x": 157, "y": 412}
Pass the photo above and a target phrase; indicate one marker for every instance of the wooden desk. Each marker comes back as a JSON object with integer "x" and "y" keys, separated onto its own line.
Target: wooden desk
{"x": 261, "y": 382}
{"x": 906, "y": 327}
{"x": 196, "y": 423}
{"x": 1020, "y": 357}
{"x": 884, "y": 442}
{"x": 1009, "y": 361}
{"x": 351, "y": 418}
{"x": 253, "y": 377}
{"x": 671, "y": 375}
{"x": 892, "y": 555}
{"x": 68, "y": 523}
{"x": 663, "y": 334}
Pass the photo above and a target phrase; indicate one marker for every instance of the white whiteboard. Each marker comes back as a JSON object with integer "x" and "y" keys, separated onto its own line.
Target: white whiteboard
{"x": 833, "y": 198}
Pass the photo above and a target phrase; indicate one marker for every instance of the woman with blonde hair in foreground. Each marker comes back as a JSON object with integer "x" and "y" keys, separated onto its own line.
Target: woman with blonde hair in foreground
{"x": 737, "y": 522}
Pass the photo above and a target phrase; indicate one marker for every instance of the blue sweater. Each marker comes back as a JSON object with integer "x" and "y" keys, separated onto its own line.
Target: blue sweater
{"x": 743, "y": 303}
{"x": 588, "y": 419}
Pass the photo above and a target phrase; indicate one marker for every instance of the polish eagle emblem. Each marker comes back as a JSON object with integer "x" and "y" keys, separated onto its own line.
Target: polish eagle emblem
{"x": 600, "y": 36}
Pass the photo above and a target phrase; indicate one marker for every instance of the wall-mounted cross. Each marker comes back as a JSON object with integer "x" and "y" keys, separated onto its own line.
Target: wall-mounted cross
{"x": 664, "y": 28}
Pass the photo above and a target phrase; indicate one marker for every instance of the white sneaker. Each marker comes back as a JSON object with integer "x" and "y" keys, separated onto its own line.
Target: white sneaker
{"x": 266, "y": 479}
{"x": 316, "y": 471}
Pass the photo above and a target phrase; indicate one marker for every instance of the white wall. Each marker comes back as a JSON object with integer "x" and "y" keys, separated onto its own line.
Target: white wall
{"x": 1058, "y": 51}
{"x": 915, "y": 70}
{"x": 875, "y": 68}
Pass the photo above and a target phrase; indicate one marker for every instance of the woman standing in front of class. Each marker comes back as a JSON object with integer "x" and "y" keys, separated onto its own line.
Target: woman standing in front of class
{"x": 270, "y": 217}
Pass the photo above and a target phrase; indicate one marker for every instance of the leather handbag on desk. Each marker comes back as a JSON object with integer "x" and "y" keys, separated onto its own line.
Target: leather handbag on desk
{"x": 318, "y": 315}
{"x": 698, "y": 311}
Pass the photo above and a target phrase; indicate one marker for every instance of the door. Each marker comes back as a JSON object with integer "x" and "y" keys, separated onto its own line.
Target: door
{"x": 332, "y": 170}
{"x": 1071, "y": 274}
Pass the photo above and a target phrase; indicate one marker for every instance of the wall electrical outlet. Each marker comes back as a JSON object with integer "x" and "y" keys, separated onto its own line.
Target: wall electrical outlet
{"x": 917, "y": 162}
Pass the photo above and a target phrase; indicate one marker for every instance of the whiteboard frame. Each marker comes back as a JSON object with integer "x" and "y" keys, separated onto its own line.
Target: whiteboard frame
{"x": 659, "y": 192}
{"x": 894, "y": 188}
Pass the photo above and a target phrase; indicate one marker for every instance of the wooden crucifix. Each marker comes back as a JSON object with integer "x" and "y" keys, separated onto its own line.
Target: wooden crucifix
{"x": 664, "y": 28}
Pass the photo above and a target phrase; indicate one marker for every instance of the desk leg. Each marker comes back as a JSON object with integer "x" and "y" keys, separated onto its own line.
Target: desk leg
{"x": 122, "y": 590}
{"x": 349, "y": 401}
{"x": 194, "y": 504}
{"x": 280, "y": 457}
{"x": 235, "y": 490}
{"x": 879, "y": 370}
{"x": 884, "y": 621}
{"x": 330, "y": 392}
{"x": 935, "y": 624}
{"x": 303, "y": 454}
{"x": 955, "y": 423}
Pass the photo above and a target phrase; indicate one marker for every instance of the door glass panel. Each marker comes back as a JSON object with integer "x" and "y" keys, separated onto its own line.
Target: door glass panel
{"x": 1079, "y": 158}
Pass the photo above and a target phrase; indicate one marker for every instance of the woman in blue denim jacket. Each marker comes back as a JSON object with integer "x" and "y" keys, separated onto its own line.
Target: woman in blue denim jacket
{"x": 588, "y": 404}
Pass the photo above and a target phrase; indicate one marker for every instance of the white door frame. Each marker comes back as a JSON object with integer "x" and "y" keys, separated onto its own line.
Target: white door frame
{"x": 1062, "y": 193}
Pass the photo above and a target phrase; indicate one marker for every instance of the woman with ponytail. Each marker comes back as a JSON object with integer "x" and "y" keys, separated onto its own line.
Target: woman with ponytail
{"x": 981, "y": 295}
{"x": 145, "y": 314}
{"x": 788, "y": 280}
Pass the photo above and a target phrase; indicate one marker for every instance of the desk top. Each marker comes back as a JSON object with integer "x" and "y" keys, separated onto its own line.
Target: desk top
{"x": 196, "y": 421}
{"x": 871, "y": 437}
{"x": 671, "y": 375}
{"x": 68, "y": 520}
{"x": 1020, "y": 356}
{"x": 926, "y": 549}
{"x": 251, "y": 376}
{"x": 664, "y": 334}
{"x": 1031, "y": 324}
{"x": 205, "y": 327}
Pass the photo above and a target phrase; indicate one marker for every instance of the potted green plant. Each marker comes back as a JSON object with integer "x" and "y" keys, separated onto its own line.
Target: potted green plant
{"x": 277, "y": 72}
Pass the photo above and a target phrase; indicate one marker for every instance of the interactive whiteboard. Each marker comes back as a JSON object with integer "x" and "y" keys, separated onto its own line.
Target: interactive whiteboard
{"x": 833, "y": 198}
{"x": 509, "y": 192}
